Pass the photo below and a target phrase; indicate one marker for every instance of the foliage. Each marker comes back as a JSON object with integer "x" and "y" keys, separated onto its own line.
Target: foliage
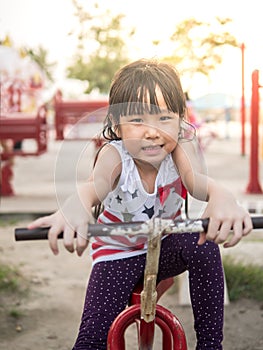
{"x": 39, "y": 55}
{"x": 15, "y": 314}
{"x": 7, "y": 221}
{"x": 243, "y": 281}
{"x": 14, "y": 287}
{"x": 98, "y": 71}
{"x": 103, "y": 31}
{"x": 8, "y": 278}
{"x": 198, "y": 45}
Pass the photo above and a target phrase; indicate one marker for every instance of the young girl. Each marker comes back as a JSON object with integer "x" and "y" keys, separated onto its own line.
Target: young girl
{"x": 144, "y": 172}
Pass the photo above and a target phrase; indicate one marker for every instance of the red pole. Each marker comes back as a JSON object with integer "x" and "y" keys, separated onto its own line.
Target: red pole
{"x": 253, "y": 185}
{"x": 243, "y": 107}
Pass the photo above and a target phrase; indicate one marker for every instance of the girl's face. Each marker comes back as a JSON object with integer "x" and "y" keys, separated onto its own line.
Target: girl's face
{"x": 150, "y": 137}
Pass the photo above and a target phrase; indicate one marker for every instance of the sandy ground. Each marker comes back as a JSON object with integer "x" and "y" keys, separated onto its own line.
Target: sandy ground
{"x": 51, "y": 311}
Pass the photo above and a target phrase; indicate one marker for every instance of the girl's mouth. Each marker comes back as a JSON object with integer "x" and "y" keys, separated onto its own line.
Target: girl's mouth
{"x": 152, "y": 147}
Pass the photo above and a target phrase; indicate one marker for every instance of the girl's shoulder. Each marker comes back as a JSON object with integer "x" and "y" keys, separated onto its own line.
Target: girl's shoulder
{"x": 109, "y": 159}
{"x": 111, "y": 147}
{"x": 121, "y": 150}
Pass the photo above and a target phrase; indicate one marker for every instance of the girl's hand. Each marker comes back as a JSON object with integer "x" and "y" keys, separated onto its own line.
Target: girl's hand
{"x": 228, "y": 221}
{"x": 71, "y": 218}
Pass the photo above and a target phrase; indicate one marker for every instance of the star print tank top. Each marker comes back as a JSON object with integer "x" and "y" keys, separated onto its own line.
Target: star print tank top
{"x": 129, "y": 201}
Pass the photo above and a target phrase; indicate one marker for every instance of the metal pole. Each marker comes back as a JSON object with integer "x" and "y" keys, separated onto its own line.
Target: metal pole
{"x": 253, "y": 185}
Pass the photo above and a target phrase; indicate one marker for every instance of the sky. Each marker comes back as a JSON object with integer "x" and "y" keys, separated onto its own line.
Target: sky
{"x": 34, "y": 22}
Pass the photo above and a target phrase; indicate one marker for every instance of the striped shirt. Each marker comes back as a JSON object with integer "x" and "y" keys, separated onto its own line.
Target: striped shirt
{"x": 129, "y": 201}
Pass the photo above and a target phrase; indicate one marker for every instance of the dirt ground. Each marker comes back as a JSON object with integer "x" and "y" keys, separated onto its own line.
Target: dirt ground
{"x": 49, "y": 314}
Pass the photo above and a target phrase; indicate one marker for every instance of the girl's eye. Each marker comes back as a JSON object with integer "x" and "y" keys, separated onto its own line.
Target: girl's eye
{"x": 165, "y": 117}
{"x": 136, "y": 120}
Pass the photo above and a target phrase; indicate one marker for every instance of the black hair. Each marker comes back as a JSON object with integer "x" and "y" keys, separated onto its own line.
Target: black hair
{"x": 133, "y": 91}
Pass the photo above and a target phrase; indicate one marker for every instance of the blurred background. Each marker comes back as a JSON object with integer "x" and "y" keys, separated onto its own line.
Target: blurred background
{"x": 79, "y": 45}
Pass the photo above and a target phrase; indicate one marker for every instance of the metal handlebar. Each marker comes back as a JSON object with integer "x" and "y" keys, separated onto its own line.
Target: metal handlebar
{"x": 166, "y": 226}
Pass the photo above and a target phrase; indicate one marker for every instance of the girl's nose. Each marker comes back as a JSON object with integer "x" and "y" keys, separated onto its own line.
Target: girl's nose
{"x": 151, "y": 132}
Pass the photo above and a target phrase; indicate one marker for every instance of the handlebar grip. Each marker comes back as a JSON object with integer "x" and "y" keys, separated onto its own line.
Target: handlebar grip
{"x": 24, "y": 234}
{"x": 257, "y": 222}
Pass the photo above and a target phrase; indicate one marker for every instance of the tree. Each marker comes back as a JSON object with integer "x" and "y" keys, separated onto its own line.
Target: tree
{"x": 39, "y": 55}
{"x": 198, "y": 45}
{"x": 103, "y": 32}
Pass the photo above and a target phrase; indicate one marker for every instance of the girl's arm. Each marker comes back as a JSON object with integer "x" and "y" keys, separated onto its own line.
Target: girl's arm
{"x": 222, "y": 209}
{"x": 76, "y": 212}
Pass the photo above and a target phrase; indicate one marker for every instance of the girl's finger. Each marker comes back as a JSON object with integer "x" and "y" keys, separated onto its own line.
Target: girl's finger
{"x": 53, "y": 233}
{"x": 248, "y": 226}
{"x": 82, "y": 241}
{"x": 236, "y": 236}
{"x": 223, "y": 233}
{"x": 68, "y": 238}
{"x": 40, "y": 222}
{"x": 202, "y": 238}
{"x": 213, "y": 228}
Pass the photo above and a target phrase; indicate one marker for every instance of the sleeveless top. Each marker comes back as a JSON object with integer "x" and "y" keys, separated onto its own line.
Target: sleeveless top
{"x": 129, "y": 201}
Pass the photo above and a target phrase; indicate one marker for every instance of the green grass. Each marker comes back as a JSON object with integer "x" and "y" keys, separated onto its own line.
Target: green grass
{"x": 12, "y": 281}
{"x": 243, "y": 280}
{"x": 6, "y": 221}
{"x": 9, "y": 278}
{"x": 16, "y": 314}
{"x": 14, "y": 287}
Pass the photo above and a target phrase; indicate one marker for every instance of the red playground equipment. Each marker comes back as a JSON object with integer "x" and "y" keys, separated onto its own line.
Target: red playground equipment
{"x": 254, "y": 184}
{"x": 71, "y": 112}
{"x": 16, "y": 127}
{"x": 22, "y": 115}
{"x": 173, "y": 335}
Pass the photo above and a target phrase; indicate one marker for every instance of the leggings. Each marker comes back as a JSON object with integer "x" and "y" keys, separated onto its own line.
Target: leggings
{"x": 111, "y": 284}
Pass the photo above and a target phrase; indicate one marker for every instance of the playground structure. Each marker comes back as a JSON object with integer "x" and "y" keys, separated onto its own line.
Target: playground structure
{"x": 19, "y": 126}
{"x": 14, "y": 128}
{"x": 22, "y": 115}
{"x": 254, "y": 185}
{"x": 72, "y": 112}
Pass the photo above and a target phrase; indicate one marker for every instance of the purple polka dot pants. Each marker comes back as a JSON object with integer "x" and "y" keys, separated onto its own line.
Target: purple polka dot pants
{"x": 111, "y": 284}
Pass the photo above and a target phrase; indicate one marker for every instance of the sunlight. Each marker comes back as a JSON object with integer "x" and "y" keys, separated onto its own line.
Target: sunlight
{"x": 48, "y": 23}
